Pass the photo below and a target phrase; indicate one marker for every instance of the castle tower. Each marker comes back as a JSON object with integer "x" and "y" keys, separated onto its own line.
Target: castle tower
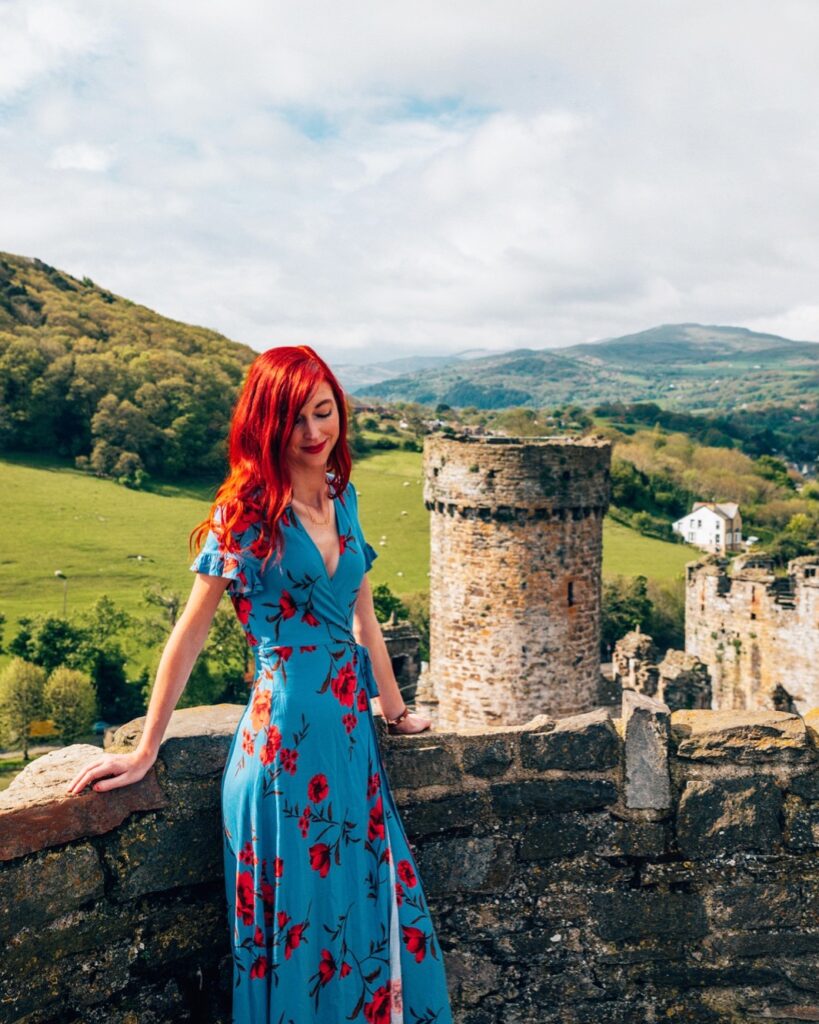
{"x": 516, "y": 543}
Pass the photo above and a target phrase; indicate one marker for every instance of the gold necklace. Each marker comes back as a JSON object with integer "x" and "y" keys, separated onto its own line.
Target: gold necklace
{"x": 316, "y": 522}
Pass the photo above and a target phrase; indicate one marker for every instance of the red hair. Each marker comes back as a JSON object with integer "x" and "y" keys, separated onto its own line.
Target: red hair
{"x": 258, "y": 486}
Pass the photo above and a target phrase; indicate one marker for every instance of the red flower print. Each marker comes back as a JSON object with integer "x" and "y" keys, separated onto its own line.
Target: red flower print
{"x": 349, "y": 721}
{"x": 294, "y": 935}
{"x": 406, "y": 873}
{"x": 283, "y": 918}
{"x": 248, "y": 740}
{"x": 285, "y": 652}
{"x": 306, "y": 648}
{"x": 344, "y": 684}
{"x": 304, "y": 822}
{"x": 385, "y": 856}
{"x": 287, "y": 605}
{"x": 278, "y": 867}
{"x": 362, "y": 699}
{"x": 272, "y": 744}
{"x": 317, "y": 788}
{"x": 372, "y": 784}
{"x": 259, "y": 967}
{"x": 415, "y": 941}
{"x": 246, "y": 854}
{"x": 267, "y": 901}
{"x": 378, "y": 1011}
{"x": 310, "y": 618}
{"x": 375, "y": 826}
{"x": 288, "y": 758}
{"x": 252, "y": 641}
{"x": 327, "y": 967}
{"x": 342, "y": 544}
{"x": 260, "y": 709}
{"x": 258, "y": 937}
{"x": 320, "y": 858}
{"x": 344, "y": 970}
{"x": 242, "y": 605}
{"x": 245, "y": 897}
{"x": 399, "y": 894}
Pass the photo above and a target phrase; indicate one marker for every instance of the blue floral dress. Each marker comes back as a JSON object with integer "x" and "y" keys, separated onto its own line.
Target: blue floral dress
{"x": 328, "y": 917}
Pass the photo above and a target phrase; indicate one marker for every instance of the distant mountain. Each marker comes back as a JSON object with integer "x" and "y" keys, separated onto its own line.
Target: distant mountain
{"x": 354, "y": 376}
{"x": 692, "y": 366}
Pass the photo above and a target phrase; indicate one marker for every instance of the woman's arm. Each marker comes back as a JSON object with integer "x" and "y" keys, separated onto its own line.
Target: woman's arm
{"x": 367, "y": 631}
{"x": 181, "y": 651}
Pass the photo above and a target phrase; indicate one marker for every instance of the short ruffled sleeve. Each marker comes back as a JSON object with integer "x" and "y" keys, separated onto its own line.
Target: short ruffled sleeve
{"x": 369, "y": 552}
{"x": 242, "y": 568}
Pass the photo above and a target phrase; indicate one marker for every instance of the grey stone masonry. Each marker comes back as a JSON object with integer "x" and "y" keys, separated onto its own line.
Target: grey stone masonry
{"x": 580, "y": 870}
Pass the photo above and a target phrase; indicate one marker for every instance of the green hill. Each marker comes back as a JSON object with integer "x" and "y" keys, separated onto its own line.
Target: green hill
{"x": 92, "y": 377}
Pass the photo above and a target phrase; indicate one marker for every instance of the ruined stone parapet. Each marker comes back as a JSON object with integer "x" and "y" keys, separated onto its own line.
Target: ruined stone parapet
{"x": 758, "y": 632}
{"x": 578, "y": 869}
{"x": 634, "y": 661}
{"x": 683, "y": 681}
{"x": 516, "y": 529}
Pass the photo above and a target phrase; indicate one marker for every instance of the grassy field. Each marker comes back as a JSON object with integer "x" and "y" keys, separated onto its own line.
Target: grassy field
{"x": 91, "y": 530}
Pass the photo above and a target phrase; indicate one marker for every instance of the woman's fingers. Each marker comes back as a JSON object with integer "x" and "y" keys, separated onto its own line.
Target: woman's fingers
{"x": 80, "y": 781}
{"x": 96, "y": 770}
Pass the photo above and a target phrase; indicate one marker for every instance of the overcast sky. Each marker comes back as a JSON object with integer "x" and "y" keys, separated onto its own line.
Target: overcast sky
{"x": 383, "y": 179}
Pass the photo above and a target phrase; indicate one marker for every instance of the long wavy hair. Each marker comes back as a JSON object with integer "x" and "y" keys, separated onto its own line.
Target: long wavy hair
{"x": 258, "y": 486}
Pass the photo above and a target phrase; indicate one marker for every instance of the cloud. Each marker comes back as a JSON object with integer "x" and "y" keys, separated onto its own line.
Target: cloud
{"x": 80, "y": 156}
{"x": 424, "y": 177}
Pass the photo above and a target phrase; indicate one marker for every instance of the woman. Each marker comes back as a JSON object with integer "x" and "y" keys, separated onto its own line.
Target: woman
{"x": 328, "y": 917}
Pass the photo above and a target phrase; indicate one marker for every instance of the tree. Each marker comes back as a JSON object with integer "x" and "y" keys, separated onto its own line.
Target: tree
{"x": 71, "y": 702}
{"x": 626, "y": 605}
{"x": 385, "y": 603}
{"x": 21, "y": 701}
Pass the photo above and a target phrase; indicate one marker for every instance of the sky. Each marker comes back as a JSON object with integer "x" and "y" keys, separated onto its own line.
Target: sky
{"x": 393, "y": 179}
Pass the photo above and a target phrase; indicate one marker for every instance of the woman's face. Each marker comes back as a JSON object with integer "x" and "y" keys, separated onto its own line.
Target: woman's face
{"x": 316, "y": 430}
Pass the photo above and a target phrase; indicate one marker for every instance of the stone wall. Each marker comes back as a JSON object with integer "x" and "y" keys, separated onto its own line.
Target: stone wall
{"x": 588, "y": 870}
{"x": 758, "y": 633}
{"x": 516, "y": 541}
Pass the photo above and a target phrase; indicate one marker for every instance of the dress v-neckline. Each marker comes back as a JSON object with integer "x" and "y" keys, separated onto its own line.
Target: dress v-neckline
{"x": 315, "y": 546}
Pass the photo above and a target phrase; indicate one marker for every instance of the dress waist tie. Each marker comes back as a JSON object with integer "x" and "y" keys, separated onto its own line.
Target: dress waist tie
{"x": 265, "y": 647}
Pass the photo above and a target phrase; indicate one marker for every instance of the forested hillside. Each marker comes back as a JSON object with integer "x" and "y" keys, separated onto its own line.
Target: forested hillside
{"x": 91, "y": 376}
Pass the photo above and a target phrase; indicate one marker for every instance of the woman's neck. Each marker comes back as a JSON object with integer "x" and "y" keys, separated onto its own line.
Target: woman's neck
{"x": 310, "y": 488}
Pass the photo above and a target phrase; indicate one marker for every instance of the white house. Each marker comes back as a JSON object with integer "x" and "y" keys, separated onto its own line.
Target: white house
{"x": 714, "y": 526}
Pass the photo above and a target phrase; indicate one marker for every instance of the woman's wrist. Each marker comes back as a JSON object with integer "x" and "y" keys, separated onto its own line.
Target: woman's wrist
{"x": 399, "y": 717}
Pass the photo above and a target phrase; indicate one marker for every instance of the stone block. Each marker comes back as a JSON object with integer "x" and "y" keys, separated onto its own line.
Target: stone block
{"x": 645, "y": 727}
{"x": 36, "y": 811}
{"x": 742, "y": 737}
{"x": 580, "y": 743}
{"x": 551, "y": 796}
{"x": 487, "y": 756}
{"x": 457, "y": 811}
{"x": 414, "y": 763}
{"x": 633, "y": 915}
{"x": 153, "y": 854}
{"x": 722, "y": 817}
{"x": 806, "y": 786}
{"x": 41, "y": 887}
{"x": 748, "y": 907}
{"x": 477, "y": 864}
{"x": 196, "y": 741}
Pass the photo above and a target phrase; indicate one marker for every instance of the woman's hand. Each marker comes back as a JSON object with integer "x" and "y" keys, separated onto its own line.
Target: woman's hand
{"x": 114, "y": 770}
{"x": 410, "y": 723}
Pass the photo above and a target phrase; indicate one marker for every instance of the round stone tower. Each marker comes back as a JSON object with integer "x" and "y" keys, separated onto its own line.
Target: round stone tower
{"x": 516, "y": 545}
